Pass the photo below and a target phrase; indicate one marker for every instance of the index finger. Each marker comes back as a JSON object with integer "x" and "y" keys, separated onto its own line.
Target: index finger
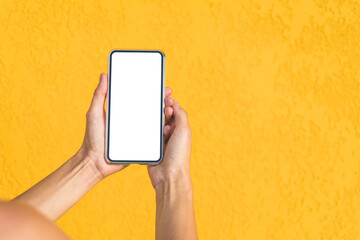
{"x": 168, "y": 92}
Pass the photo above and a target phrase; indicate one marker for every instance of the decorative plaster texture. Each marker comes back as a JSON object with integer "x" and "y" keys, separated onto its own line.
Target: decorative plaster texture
{"x": 272, "y": 92}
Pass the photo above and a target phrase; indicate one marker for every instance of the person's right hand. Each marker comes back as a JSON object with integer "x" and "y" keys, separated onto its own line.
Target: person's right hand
{"x": 175, "y": 166}
{"x": 175, "y": 217}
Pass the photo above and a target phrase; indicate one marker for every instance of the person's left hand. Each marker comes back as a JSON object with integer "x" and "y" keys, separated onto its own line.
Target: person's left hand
{"x": 94, "y": 140}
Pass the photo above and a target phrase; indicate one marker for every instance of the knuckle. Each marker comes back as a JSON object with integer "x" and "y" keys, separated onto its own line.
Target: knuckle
{"x": 99, "y": 92}
{"x": 96, "y": 94}
{"x": 184, "y": 113}
{"x": 189, "y": 131}
{"x": 186, "y": 130}
{"x": 89, "y": 113}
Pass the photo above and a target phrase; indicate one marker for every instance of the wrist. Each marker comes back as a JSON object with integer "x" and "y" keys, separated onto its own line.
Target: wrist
{"x": 87, "y": 162}
{"x": 181, "y": 183}
{"x": 55, "y": 194}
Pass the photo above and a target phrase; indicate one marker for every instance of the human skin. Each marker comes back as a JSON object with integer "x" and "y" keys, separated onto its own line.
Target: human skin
{"x": 171, "y": 180}
{"x": 19, "y": 221}
{"x": 58, "y": 192}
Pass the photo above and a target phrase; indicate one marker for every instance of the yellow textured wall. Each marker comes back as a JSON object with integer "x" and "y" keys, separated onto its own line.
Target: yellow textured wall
{"x": 272, "y": 90}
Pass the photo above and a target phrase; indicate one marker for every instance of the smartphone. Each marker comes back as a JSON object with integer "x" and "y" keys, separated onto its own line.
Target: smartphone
{"x": 135, "y": 107}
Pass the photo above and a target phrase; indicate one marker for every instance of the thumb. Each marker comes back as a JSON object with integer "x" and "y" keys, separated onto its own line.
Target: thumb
{"x": 180, "y": 114}
{"x": 98, "y": 101}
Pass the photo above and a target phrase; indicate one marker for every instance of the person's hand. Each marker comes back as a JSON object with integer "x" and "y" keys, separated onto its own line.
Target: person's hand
{"x": 175, "y": 167}
{"x": 175, "y": 217}
{"x": 94, "y": 141}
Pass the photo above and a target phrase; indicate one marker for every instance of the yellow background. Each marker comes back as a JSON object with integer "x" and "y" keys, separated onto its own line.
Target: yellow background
{"x": 272, "y": 92}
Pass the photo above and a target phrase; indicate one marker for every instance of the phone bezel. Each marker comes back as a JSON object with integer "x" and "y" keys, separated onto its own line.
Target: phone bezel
{"x": 108, "y": 108}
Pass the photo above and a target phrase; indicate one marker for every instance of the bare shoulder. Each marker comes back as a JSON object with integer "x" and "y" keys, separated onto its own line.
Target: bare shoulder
{"x": 20, "y": 221}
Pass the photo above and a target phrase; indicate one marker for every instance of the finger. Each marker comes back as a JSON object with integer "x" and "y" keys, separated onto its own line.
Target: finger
{"x": 172, "y": 126}
{"x": 168, "y": 92}
{"x": 168, "y": 114}
{"x": 166, "y": 132}
{"x": 98, "y": 101}
{"x": 180, "y": 114}
{"x": 169, "y": 102}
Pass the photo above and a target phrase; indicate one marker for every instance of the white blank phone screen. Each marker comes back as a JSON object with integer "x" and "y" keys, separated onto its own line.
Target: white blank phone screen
{"x": 135, "y": 119}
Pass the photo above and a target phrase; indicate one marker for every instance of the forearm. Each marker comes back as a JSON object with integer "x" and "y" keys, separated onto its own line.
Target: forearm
{"x": 175, "y": 218}
{"x": 59, "y": 191}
